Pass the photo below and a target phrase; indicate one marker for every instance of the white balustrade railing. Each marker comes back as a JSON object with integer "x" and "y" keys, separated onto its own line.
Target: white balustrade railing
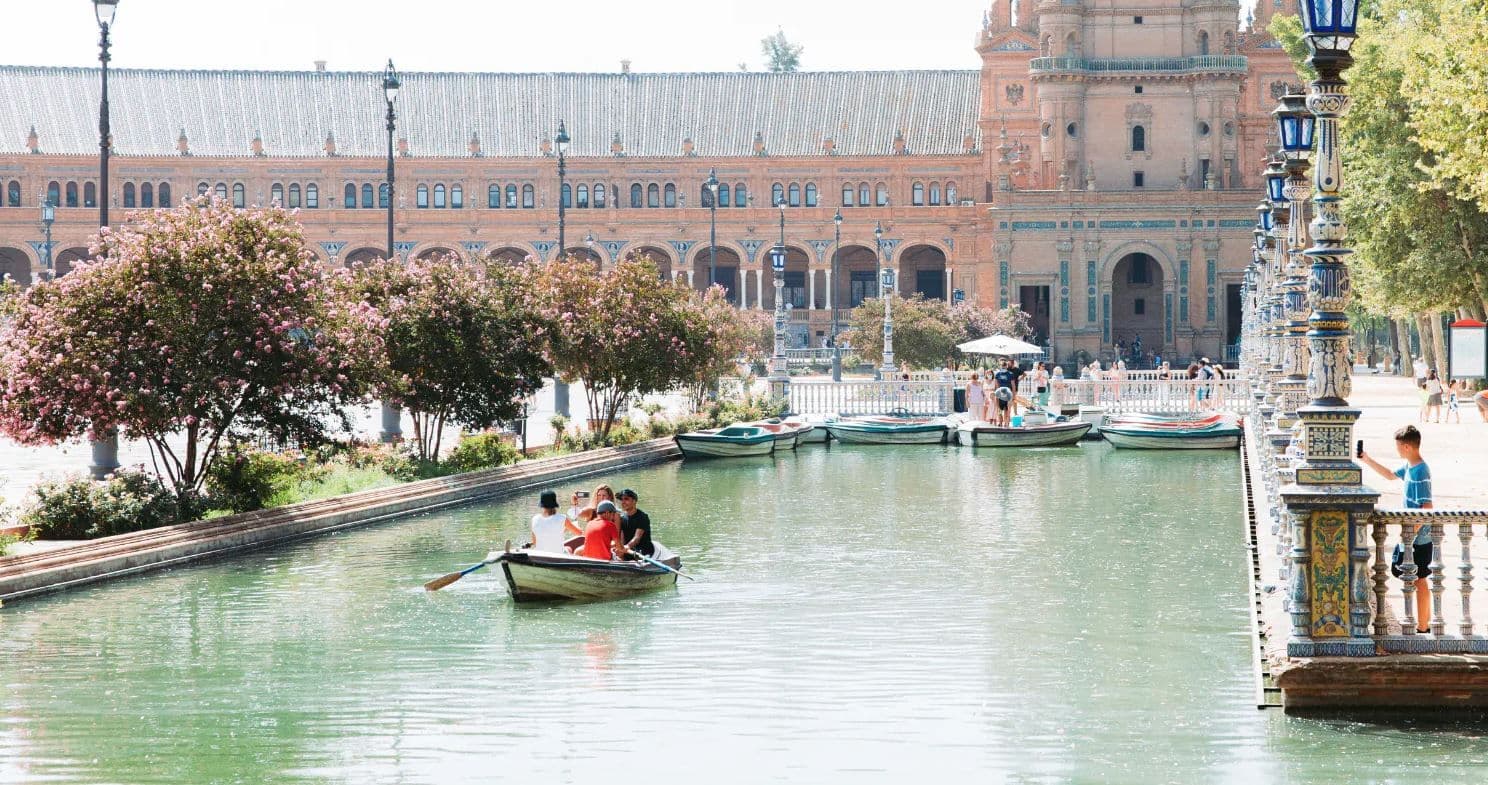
{"x": 871, "y": 397}
{"x": 1149, "y": 395}
{"x": 1455, "y": 534}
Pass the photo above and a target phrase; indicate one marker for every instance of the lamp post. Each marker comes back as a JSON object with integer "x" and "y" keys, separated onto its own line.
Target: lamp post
{"x": 832, "y": 297}
{"x": 1328, "y": 504}
{"x": 778, "y": 375}
{"x": 48, "y": 215}
{"x": 886, "y": 291}
{"x": 1295, "y": 126}
{"x": 712, "y": 185}
{"x": 560, "y": 141}
{"x": 105, "y": 447}
{"x": 392, "y": 416}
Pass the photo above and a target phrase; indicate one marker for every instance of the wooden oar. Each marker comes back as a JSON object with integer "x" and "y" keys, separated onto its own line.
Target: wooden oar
{"x": 441, "y": 582}
{"x": 663, "y": 566}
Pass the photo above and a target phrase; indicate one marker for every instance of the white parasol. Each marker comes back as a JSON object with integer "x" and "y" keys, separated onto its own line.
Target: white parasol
{"x": 1002, "y": 345}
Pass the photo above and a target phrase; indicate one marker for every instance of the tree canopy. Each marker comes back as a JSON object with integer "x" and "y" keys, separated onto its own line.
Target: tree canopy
{"x": 926, "y": 332}
{"x": 781, "y": 56}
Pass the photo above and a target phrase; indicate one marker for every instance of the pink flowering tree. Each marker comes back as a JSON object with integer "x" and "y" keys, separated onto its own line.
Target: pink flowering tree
{"x": 623, "y": 332}
{"x": 463, "y": 343}
{"x": 190, "y": 327}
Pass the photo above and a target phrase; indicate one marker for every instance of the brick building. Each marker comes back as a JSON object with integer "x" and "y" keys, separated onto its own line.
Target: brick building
{"x": 1100, "y": 169}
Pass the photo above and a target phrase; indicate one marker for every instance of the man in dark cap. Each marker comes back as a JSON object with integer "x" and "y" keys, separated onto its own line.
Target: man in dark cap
{"x": 635, "y": 525}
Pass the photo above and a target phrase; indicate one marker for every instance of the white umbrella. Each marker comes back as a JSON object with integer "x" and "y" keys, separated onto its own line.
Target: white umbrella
{"x": 1003, "y": 345}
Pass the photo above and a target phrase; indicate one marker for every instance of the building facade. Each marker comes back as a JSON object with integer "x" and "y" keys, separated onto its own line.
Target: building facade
{"x": 1100, "y": 169}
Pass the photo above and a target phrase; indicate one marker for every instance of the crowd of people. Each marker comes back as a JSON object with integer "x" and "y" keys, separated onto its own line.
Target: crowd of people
{"x": 993, "y": 395}
{"x": 603, "y": 525}
{"x": 1438, "y": 394}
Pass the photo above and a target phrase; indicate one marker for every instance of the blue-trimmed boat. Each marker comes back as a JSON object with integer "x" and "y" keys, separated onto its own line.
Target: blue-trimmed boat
{"x": 888, "y": 429}
{"x": 1155, "y": 432}
{"x": 735, "y": 441}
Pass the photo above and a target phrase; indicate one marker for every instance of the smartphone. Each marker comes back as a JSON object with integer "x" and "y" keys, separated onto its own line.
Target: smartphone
{"x": 1359, "y": 449}
{"x": 585, "y": 494}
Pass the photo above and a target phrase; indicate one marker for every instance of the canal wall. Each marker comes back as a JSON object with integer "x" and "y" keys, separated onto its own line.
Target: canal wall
{"x": 129, "y": 554}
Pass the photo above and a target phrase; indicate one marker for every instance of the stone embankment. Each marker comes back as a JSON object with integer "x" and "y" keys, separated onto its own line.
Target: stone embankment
{"x": 128, "y": 554}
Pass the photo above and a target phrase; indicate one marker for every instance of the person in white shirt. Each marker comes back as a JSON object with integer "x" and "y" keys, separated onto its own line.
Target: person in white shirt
{"x": 549, "y": 527}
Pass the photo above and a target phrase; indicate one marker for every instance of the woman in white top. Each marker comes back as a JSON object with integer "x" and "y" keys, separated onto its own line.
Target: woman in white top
{"x": 1434, "y": 390}
{"x": 549, "y": 527}
{"x": 976, "y": 398}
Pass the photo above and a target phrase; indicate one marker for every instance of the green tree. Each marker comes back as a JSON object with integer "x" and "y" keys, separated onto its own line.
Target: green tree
{"x": 926, "y": 332}
{"x": 781, "y": 56}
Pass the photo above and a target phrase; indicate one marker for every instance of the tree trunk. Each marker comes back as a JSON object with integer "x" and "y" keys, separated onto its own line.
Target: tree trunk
{"x": 1439, "y": 346}
{"x": 1407, "y": 360}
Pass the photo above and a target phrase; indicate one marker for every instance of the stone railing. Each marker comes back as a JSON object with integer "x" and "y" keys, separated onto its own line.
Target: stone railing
{"x": 1198, "y": 64}
{"x": 870, "y": 397}
{"x": 1454, "y": 534}
{"x": 1150, "y": 395}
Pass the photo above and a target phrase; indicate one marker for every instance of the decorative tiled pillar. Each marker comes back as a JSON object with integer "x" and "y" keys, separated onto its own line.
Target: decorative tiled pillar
{"x": 1004, "y": 251}
{"x": 1092, "y": 282}
{"x": 1185, "y": 251}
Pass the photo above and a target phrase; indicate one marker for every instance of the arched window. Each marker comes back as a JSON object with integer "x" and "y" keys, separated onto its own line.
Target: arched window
{"x": 90, "y": 195}
{"x": 917, "y": 195}
{"x": 777, "y": 194}
{"x": 795, "y": 195}
{"x": 129, "y": 194}
{"x": 312, "y": 196}
{"x": 705, "y": 196}
{"x": 865, "y": 195}
{"x": 935, "y": 193}
{"x": 276, "y": 194}
{"x": 527, "y": 200}
{"x": 72, "y": 195}
{"x": 847, "y": 195}
{"x": 54, "y": 194}
{"x": 382, "y": 195}
{"x": 741, "y": 195}
{"x": 950, "y": 193}
{"x": 349, "y": 200}
{"x": 566, "y": 195}
{"x": 421, "y": 200}
{"x": 882, "y": 199}
{"x": 635, "y": 194}
{"x": 723, "y": 195}
{"x": 457, "y": 197}
{"x": 202, "y": 189}
{"x": 511, "y": 197}
{"x": 669, "y": 195}
{"x": 583, "y": 196}
{"x": 1203, "y": 42}
{"x": 440, "y": 196}
{"x": 221, "y": 191}
{"x": 367, "y": 195}
{"x": 165, "y": 195}
{"x": 493, "y": 197}
{"x": 1139, "y": 139}
{"x": 811, "y": 194}
{"x": 240, "y": 196}
{"x": 147, "y": 195}
{"x": 294, "y": 195}
{"x": 599, "y": 195}
{"x": 653, "y": 195}
{"x": 13, "y": 193}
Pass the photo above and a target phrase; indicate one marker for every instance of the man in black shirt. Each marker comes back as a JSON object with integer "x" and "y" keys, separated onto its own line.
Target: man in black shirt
{"x": 1017, "y": 371}
{"x": 635, "y": 525}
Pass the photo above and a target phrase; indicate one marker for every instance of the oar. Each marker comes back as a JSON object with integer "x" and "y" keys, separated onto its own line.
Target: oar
{"x": 663, "y": 566}
{"x": 445, "y": 580}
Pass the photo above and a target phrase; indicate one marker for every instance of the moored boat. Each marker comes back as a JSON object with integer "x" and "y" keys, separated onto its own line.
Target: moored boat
{"x": 980, "y": 433}
{"x": 878, "y": 429}
{"x": 535, "y": 576}
{"x": 809, "y": 432}
{"x": 1132, "y": 436}
{"x": 1190, "y": 420}
{"x": 786, "y": 434}
{"x": 735, "y": 441}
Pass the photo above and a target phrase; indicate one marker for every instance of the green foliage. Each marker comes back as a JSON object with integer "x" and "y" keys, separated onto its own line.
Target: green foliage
{"x": 386, "y": 458}
{"x": 81, "y": 509}
{"x": 244, "y": 479}
{"x": 751, "y": 408}
{"x": 781, "y": 56}
{"x": 926, "y": 332}
{"x": 482, "y": 451}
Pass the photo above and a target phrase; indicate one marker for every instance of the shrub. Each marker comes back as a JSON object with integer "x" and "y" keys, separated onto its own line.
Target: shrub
{"x": 657, "y": 427}
{"x": 7, "y": 540}
{"x": 482, "y": 451}
{"x": 80, "y": 509}
{"x": 244, "y": 479}
{"x": 387, "y": 458}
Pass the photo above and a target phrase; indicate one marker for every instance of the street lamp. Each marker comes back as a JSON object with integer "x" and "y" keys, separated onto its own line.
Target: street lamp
{"x": 712, "y": 185}
{"x": 106, "y": 447}
{"x": 48, "y": 215}
{"x": 392, "y": 416}
{"x": 778, "y": 374}
{"x": 561, "y": 142}
{"x": 886, "y": 290}
{"x": 832, "y": 298}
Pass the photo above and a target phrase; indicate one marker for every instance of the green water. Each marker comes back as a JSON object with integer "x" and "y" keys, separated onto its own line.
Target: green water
{"x": 865, "y": 614}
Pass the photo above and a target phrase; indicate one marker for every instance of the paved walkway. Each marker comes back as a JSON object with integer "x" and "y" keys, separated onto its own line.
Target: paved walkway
{"x": 1456, "y": 452}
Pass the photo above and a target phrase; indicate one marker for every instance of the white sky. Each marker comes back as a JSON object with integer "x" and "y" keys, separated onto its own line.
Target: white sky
{"x": 495, "y": 35}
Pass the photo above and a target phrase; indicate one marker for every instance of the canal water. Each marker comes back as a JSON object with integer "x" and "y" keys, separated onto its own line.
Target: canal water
{"x": 860, "y": 615}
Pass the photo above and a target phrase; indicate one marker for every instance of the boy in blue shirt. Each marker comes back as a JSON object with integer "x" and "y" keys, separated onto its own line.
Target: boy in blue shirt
{"x": 1417, "y": 477}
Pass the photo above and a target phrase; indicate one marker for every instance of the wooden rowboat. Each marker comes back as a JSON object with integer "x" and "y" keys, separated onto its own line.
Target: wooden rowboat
{"x": 536, "y": 576}
{"x": 786, "y": 434}
{"x": 1172, "y": 420}
{"x": 890, "y": 430}
{"x": 979, "y": 433}
{"x": 809, "y": 432}
{"x": 1136, "y": 437}
{"x": 734, "y": 441}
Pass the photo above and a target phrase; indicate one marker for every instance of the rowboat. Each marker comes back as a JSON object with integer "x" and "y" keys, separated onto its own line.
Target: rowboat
{"x": 809, "y": 432}
{"x": 734, "y": 441}
{"x": 1192, "y": 420}
{"x": 786, "y": 434}
{"x": 1133, "y": 436}
{"x": 980, "y": 433}
{"x": 536, "y": 576}
{"x": 879, "y": 429}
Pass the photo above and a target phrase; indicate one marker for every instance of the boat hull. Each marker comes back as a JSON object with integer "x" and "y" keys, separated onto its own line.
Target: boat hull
{"x": 852, "y": 433}
{"x": 539, "y": 577}
{"x": 1056, "y": 435}
{"x": 811, "y": 434}
{"x": 1139, "y": 439}
{"x": 702, "y": 446}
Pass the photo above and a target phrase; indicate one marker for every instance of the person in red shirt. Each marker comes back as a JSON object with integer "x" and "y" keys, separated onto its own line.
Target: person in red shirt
{"x": 602, "y": 533}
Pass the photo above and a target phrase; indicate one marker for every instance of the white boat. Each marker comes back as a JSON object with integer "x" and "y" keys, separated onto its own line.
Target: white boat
{"x": 890, "y": 430}
{"x": 735, "y": 441}
{"x": 786, "y": 434}
{"x": 979, "y": 433}
{"x": 809, "y": 432}
{"x": 1148, "y": 437}
{"x": 535, "y": 576}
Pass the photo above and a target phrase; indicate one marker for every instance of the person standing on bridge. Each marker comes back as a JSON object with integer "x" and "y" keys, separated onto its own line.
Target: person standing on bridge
{"x": 1417, "y": 477}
